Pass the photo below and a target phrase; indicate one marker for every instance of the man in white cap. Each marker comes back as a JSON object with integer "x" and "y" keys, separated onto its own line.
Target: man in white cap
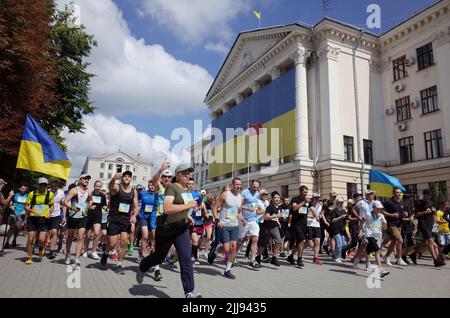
{"x": 38, "y": 206}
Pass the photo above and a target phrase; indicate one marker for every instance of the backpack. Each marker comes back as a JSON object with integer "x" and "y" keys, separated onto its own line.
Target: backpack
{"x": 46, "y": 201}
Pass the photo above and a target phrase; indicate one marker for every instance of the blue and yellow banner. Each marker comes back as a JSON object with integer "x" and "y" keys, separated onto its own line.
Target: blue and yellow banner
{"x": 39, "y": 152}
{"x": 383, "y": 184}
{"x": 273, "y": 106}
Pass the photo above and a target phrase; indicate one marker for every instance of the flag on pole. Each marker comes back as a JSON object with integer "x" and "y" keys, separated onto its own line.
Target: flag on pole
{"x": 257, "y": 14}
{"x": 39, "y": 152}
{"x": 383, "y": 183}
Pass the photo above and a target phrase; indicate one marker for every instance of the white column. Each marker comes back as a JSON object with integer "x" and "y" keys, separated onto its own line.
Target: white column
{"x": 255, "y": 86}
{"x": 238, "y": 98}
{"x": 274, "y": 72}
{"x": 301, "y": 104}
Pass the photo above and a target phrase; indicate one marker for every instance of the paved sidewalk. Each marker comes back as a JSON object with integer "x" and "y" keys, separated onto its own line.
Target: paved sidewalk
{"x": 48, "y": 278}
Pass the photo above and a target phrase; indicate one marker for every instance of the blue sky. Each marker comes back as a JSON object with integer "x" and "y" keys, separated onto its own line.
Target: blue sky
{"x": 279, "y": 12}
{"x": 156, "y": 60}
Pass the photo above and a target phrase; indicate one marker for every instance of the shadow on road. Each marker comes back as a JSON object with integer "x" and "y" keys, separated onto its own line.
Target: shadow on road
{"x": 147, "y": 290}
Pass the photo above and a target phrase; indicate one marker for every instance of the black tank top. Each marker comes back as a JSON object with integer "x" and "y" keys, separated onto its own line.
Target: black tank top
{"x": 121, "y": 203}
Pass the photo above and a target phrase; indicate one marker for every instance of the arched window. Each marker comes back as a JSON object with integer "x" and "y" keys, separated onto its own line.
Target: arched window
{"x": 119, "y": 160}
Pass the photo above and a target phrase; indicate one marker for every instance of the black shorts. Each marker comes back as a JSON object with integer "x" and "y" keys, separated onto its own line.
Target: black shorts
{"x": 283, "y": 229}
{"x": 116, "y": 227}
{"x": 54, "y": 223}
{"x": 300, "y": 232}
{"x": 313, "y": 232}
{"x": 425, "y": 230}
{"x": 104, "y": 226}
{"x": 75, "y": 224}
{"x": 93, "y": 218}
{"x": 37, "y": 224}
{"x": 372, "y": 245}
{"x": 409, "y": 240}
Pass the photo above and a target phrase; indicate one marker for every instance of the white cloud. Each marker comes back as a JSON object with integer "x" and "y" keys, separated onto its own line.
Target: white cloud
{"x": 219, "y": 47}
{"x": 194, "y": 21}
{"x": 105, "y": 134}
{"x": 133, "y": 77}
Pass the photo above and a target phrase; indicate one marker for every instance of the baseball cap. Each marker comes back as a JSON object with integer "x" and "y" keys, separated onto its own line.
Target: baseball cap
{"x": 263, "y": 191}
{"x": 42, "y": 180}
{"x": 370, "y": 192}
{"x": 139, "y": 187}
{"x": 333, "y": 194}
{"x": 340, "y": 200}
{"x": 183, "y": 167}
{"x": 84, "y": 176}
{"x": 203, "y": 192}
{"x": 167, "y": 173}
{"x": 127, "y": 173}
{"x": 351, "y": 201}
{"x": 377, "y": 204}
{"x": 3, "y": 181}
{"x": 316, "y": 195}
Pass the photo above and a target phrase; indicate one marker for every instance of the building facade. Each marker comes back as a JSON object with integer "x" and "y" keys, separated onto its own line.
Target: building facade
{"x": 105, "y": 166}
{"x": 200, "y": 154}
{"x": 361, "y": 101}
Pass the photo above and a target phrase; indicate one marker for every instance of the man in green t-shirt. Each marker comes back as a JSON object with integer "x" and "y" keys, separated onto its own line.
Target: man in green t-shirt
{"x": 38, "y": 206}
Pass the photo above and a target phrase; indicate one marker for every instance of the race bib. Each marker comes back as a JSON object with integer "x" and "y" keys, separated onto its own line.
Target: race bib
{"x": 198, "y": 213}
{"x": 187, "y": 197}
{"x": 124, "y": 208}
{"x": 303, "y": 210}
{"x": 97, "y": 199}
{"x": 285, "y": 213}
{"x": 148, "y": 208}
{"x": 41, "y": 208}
{"x": 21, "y": 199}
{"x": 232, "y": 214}
{"x": 210, "y": 213}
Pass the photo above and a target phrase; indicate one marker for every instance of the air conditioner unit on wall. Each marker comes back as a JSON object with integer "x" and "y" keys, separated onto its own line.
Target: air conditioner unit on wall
{"x": 399, "y": 88}
{"x": 415, "y": 104}
{"x": 390, "y": 111}
{"x": 410, "y": 61}
{"x": 403, "y": 126}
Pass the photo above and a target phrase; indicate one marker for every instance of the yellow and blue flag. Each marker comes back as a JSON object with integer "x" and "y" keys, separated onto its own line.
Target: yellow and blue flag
{"x": 383, "y": 183}
{"x": 257, "y": 14}
{"x": 39, "y": 152}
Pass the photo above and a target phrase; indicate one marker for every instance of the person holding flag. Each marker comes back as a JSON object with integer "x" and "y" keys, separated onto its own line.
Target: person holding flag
{"x": 38, "y": 206}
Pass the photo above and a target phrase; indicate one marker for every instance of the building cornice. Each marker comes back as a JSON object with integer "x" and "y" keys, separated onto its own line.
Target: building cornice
{"x": 442, "y": 37}
{"x": 415, "y": 24}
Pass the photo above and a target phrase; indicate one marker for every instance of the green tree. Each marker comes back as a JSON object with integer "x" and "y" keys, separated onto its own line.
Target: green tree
{"x": 437, "y": 196}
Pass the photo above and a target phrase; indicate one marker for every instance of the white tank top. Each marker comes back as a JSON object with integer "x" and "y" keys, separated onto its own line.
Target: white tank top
{"x": 230, "y": 209}
{"x": 80, "y": 202}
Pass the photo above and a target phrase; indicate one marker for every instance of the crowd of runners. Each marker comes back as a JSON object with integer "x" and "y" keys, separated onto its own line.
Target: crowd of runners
{"x": 171, "y": 221}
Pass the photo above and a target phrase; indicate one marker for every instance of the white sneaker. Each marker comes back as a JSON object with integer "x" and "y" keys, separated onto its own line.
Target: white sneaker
{"x": 196, "y": 262}
{"x": 370, "y": 267}
{"x": 388, "y": 261}
{"x": 95, "y": 256}
{"x": 85, "y": 254}
{"x": 401, "y": 262}
{"x": 67, "y": 259}
{"x": 338, "y": 260}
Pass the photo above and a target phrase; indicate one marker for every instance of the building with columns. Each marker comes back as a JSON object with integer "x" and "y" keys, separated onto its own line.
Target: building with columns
{"x": 361, "y": 101}
{"x": 103, "y": 168}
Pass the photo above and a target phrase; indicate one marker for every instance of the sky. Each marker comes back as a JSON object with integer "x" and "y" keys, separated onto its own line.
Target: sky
{"x": 156, "y": 60}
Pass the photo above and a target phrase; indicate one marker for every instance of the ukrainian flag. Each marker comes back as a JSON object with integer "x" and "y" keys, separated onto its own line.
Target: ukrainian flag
{"x": 273, "y": 106}
{"x": 383, "y": 184}
{"x": 38, "y": 152}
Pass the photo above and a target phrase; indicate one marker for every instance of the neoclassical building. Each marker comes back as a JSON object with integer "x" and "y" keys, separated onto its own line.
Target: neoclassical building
{"x": 345, "y": 100}
{"x": 103, "y": 168}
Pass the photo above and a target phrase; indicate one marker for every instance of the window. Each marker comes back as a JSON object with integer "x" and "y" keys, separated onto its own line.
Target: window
{"x": 411, "y": 189}
{"x": 206, "y": 176}
{"x": 109, "y": 176}
{"x": 433, "y": 144}
{"x": 348, "y": 148}
{"x": 134, "y": 178}
{"x": 110, "y": 167}
{"x": 134, "y": 169}
{"x": 102, "y": 165}
{"x": 144, "y": 178}
{"x": 406, "y": 150}
{"x": 196, "y": 178}
{"x": 368, "y": 155}
{"x": 351, "y": 189}
{"x": 285, "y": 190}
{"x": 399, "y": 66}
{"x": 403, "y": 109}
{"x": 119, "y": 160}
{"x": 127, "y": 168}
{"x": 425, "y": 56}
{"x": 440, "y": 186}
{"x": 429, "y": 100}
{"x": 102, "y": 175}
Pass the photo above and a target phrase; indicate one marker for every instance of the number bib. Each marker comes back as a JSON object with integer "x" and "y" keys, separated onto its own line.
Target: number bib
{"x": 187, "y": 197}
{"x": 41, "y": 208}
{"x": 285, "y": 213}
{"x": 97, "y": 199}
{"x": 148, "y": 208}
{"x": 303, "y": 210}
{"x": 232, "y": 214}
{"x": 124, "y": 208}
{"x": 198, "y": 213}
{"x": 21, "y": 199}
